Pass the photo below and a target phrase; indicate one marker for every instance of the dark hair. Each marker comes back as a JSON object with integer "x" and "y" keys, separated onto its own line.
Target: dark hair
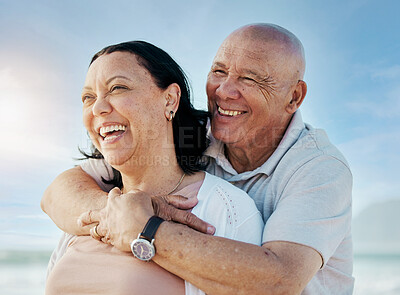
{"x": 189, "y": 124}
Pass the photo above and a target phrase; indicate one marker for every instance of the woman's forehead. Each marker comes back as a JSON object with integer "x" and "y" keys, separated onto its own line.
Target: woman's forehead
{"x": 116, "y": 64}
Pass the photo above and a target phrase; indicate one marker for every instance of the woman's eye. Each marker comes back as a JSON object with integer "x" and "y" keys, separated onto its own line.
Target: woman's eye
{"x": 86, "y": 98}
{"x": 117, "y": 87}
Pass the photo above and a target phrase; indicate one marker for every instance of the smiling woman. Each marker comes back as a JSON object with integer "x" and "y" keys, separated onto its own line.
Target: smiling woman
{"x": 138, "y": 114}
{"x": 119, "y": 95}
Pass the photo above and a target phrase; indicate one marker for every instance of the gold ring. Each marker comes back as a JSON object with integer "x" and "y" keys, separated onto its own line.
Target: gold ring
{"x": 95, "y": 233}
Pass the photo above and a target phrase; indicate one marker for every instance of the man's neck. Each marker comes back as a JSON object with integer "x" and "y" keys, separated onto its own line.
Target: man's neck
{"x": 247, "y": 159}
{"x": 251, "y": 154}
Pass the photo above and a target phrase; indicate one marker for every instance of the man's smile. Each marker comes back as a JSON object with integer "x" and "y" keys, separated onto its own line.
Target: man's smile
{"x": 231, "y": 113}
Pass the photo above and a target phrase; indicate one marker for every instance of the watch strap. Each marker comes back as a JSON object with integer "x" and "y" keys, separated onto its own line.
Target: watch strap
{"x": 151, "y": 227}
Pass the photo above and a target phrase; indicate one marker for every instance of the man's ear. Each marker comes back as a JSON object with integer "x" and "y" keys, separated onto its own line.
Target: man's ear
{"x": 172, "y": 98}
{"x": 298, "y": 96}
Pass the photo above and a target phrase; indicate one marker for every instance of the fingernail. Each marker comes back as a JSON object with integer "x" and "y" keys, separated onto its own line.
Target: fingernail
{"x": 79, "y": 222}
{"x": 210, "y": 230}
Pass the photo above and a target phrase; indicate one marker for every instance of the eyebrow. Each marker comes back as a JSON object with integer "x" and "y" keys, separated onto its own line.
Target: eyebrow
{"x": 117, "y": 77}
{"x": 110, "y": 80}
{"x": 218, "y": 64}
{"x": 246, "y": 71}
{"x": 255, "y": 74}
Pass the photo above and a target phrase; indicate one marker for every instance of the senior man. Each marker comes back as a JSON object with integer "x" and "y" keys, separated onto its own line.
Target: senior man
{"x": 299, "y": 181}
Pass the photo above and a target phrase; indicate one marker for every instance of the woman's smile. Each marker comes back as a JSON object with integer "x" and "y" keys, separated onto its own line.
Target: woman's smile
{"x": 112, "y": 133}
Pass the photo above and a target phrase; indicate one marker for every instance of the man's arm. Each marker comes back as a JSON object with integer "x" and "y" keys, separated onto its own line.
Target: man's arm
{"x": 213, "y": 264}
{"x": 72, "y": 193}
{"x": 221, "y": 266}
{"x": 75, "y": 192}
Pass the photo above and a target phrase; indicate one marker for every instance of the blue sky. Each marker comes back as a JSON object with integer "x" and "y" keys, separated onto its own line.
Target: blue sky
{"x": 353, "y": 75}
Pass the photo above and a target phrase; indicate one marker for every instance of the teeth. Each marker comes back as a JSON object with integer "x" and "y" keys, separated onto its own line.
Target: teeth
{"x": 228, "y": 113}
{"x": 105, "y": 130}
{"x": 110, "y": 138}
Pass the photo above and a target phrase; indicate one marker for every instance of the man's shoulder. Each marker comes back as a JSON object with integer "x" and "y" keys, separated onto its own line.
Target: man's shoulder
{"x": 312, "y": 151}
{"x": 313, "y": 144}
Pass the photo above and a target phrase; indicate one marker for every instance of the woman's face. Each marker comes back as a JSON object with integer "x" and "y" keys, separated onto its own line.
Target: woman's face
{"x": 123, "y": 109}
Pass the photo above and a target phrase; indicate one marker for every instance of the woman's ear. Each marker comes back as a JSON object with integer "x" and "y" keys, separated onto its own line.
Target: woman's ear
{"x": 298, "y": 96}
{"x": 172, "y": 99}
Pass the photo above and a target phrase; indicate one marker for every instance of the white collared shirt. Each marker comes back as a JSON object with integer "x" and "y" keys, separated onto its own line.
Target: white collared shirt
{"x": 303, "y": 192}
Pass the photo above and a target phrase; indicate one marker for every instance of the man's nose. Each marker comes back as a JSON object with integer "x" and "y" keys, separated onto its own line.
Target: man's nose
{"x": 228, "y": 89}
{"x": 101, "y": 106}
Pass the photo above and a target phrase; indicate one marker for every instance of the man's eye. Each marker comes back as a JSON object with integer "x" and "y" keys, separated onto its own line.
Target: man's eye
{"x": 219, "y": 72}
{"x": 249, "y": 79}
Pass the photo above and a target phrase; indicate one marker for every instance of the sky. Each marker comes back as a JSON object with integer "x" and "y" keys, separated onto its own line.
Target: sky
{"x": 353, "y": 76}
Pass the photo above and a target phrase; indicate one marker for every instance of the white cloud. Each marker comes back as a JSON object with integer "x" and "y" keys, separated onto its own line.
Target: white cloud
{"x": 391, "y": 72}
{"x": 374, "y": 161}
{"x": 36, "y": 216}
{"x": 386, "y": 105}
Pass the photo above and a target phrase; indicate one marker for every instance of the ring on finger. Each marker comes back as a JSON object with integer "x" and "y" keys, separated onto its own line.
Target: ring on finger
{"x": 95, "y": 233}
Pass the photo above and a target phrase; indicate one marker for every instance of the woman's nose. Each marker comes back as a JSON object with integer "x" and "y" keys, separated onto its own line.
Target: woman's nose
{"x": 228, "y": 89}
{"x": 101, "y": 106}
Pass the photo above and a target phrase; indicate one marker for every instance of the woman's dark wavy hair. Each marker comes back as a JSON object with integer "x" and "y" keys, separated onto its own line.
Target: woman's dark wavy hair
{"x": 189, "y": 124}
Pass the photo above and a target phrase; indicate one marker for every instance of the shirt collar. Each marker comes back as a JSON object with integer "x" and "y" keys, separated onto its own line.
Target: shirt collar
{"x": 216, "y": 150}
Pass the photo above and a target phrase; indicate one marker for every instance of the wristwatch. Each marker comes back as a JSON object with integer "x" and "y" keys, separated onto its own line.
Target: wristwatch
{"x": 143, "y": 247}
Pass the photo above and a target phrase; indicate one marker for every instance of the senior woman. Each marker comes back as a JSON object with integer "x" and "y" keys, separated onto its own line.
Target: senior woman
{"x": 137, "y": 111}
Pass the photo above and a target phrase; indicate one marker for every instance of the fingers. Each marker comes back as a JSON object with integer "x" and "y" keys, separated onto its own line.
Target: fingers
{"x": 168, "y": 212}
{"x": 181, "y": 202}
{"x": 115, "y": 192}
{"x": 89, "y": 217}
{"x": 95, "y": 235}
{"x": 192, "y": 221}
{"x": 100, "y": 234}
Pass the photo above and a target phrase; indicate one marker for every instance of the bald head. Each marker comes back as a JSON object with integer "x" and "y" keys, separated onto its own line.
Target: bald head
{"x": 254, "y": 87}
{"x": 277, "y": 42}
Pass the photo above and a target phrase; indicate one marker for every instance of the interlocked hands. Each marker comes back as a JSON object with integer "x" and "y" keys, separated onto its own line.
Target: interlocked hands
{"x": 125, "y": 216}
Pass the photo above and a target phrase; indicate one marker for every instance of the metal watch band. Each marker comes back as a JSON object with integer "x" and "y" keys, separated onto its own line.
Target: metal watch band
{"x": 151, "y": 227}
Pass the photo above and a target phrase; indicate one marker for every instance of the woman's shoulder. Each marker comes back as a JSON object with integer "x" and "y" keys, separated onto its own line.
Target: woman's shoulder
{"x": 230, "y": 210}
{"x": 217, "y": 188}
{"x": 215, "y": 182}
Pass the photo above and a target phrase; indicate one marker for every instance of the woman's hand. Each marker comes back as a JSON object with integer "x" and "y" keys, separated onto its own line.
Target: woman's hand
{"x": 120, "y": 221}
{"x": 125, "y": 216}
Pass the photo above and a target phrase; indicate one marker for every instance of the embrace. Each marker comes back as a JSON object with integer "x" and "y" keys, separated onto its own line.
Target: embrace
{"x": 243, "y": 199}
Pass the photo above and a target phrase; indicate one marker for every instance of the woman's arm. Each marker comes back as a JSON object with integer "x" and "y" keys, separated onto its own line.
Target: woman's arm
{"x": 72, "y": 193}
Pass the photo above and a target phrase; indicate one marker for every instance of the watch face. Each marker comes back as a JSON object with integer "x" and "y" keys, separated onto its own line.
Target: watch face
{"x": 142, "y": 249}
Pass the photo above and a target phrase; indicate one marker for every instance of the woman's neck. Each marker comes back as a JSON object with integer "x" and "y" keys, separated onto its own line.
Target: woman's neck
{"x": 157, "y": 178}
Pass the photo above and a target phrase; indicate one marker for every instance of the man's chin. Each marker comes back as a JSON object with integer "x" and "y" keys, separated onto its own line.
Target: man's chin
{"x": 225, "y": 135}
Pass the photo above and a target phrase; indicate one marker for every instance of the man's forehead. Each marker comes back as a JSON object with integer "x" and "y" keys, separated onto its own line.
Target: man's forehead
{"x": 240, "y": 51}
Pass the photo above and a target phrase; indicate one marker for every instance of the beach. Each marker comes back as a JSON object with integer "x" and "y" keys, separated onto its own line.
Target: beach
{"x": 24, "y": 272}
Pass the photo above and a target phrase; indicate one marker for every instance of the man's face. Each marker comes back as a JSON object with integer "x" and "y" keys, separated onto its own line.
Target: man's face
{"x": 248, "y": 91}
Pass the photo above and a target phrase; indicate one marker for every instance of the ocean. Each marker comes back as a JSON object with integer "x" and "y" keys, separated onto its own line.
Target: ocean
{"x": 23, "y": 273}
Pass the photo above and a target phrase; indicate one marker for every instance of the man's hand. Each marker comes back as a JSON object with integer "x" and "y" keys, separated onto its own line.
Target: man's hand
{"x": 125, "y": 216}
{"x": 168, "y": 208}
